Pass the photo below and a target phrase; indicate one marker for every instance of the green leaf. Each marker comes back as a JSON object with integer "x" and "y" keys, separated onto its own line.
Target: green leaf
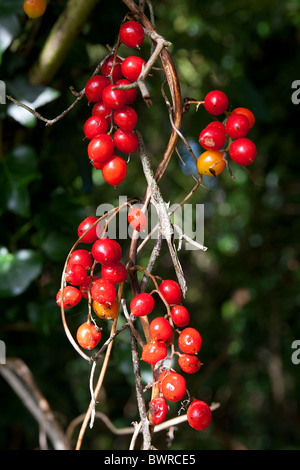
{"x": 18, "y": 270}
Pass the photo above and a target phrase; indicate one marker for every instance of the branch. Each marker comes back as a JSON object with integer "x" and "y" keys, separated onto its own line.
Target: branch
{"x": 63, "y": 33}
{"x": 19, "y": 377}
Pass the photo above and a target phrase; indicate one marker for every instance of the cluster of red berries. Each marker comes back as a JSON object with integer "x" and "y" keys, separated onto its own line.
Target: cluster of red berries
{"x": 231, "y": 134}
{"x": 102, "y": 288}
{"x": 111, "y": 127}
{"x": 162, "y": 329}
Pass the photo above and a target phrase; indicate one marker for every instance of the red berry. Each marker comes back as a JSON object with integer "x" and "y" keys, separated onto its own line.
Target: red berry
{"x": 246, "y": 112}
{"x": 154, "y": 352}
{"x": 132, "y": 66}
{"x": 137, "y": 219}
{"x": 218, "y": 124}
{"x": 114, "y": 98}
{"x": 161, "y": 330}
{"x": 100, "y": 109}
{"x": 114, "y": 170}
{"x": 106, "y": 251}
{"x": 216, "y": 102}
{"x": 131, "y": 93}
{"x": 190, "y": 341}
{"x": 76, "y": 274}
{"x": 180, "y": 315}
{"x": 132, "y": 34}
{"x": 237, "y": 125}
{"x": 243, "y": 151}
{"x": 125, "y": 118}
{"x": 126, "y": 141}
{"x": 212, "y": 138}
{"x": 114, "y": 272}
{"x": 142, "y": 304}
{"x": 93, "y": 234}
{"x": 199, "y": 415}
{"x": 103, "y": 291}
{"x": 114, "y": 63}
{"x": 101, "y": 148}
{"x": 86, "y": 286}
{"x": 88, "y": 335}
{"x": 173, "y": 386}
{"x": 82, "y": 257}
{"x": 95, "y": 87}
{"x": 189, "y": 363}
{"x": 158, "y": 410}
{"x": 72, "y": 297}
{"x": 171, "y": 292}
{"x": 94, "y": 126}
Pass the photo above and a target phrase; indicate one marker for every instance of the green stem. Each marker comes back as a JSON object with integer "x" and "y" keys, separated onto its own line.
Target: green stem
{"x": 61, "y": 38}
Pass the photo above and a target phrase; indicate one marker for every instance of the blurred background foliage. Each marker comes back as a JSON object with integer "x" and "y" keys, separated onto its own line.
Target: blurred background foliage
{"x": 243, "y": 293}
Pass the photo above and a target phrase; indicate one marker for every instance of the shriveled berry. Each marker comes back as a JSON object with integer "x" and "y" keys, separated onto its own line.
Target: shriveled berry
{"x": 158, "y": 410}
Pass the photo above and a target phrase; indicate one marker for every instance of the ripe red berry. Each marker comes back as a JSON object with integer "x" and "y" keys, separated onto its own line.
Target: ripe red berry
{"x": 237, "y": 125}
{"x": 95, "y": 87}
{"x": 171, "y": 292}
{"x": 114, "y": 98}
{"x": 132, "y": 66}
{"x": 103, "y": 291}
{"x": 190, "y": 341}
{"x": 131, "y": 93}
{"x": 126, "y": 141}
{"x": 216, "y": 102}
{"x": 158, "y": 410}
{"x": 86, "y": 286}
{"x": 114, "y": 63}
{"x": 154, "y": 352}
{"x": 199, "y": 415}
{"x": 132, "y": 34}
{"x": 72, "y": 297}
{"x": 243, "y": 151}
{"x": 82, "y": 257}
{"x": 180, "y": 315}
{"x": 125, "y": 118}
{"x": 212, "y": 137}
{"x": 246, "y": 112}
{"x": 101, "y": 148}
{"x": 94, "y": 126}
{"x": 189, "y": 363}
{"x": 142, "y": 304}
{"x": 114, "y": 272}
{"x": 76, "y": 274}
{"x": 173, "y": 386}
{"x": 161, "y": 330}
{"x": 114, "y": 170}
{"x": 100, "y": 109}
{"x": 93, "y": 233}
{"x": 88, "y": 335}
{"x": 106, "y": 251}
{"x": 218, "y": 124}
{"x": 137, "y": 219}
